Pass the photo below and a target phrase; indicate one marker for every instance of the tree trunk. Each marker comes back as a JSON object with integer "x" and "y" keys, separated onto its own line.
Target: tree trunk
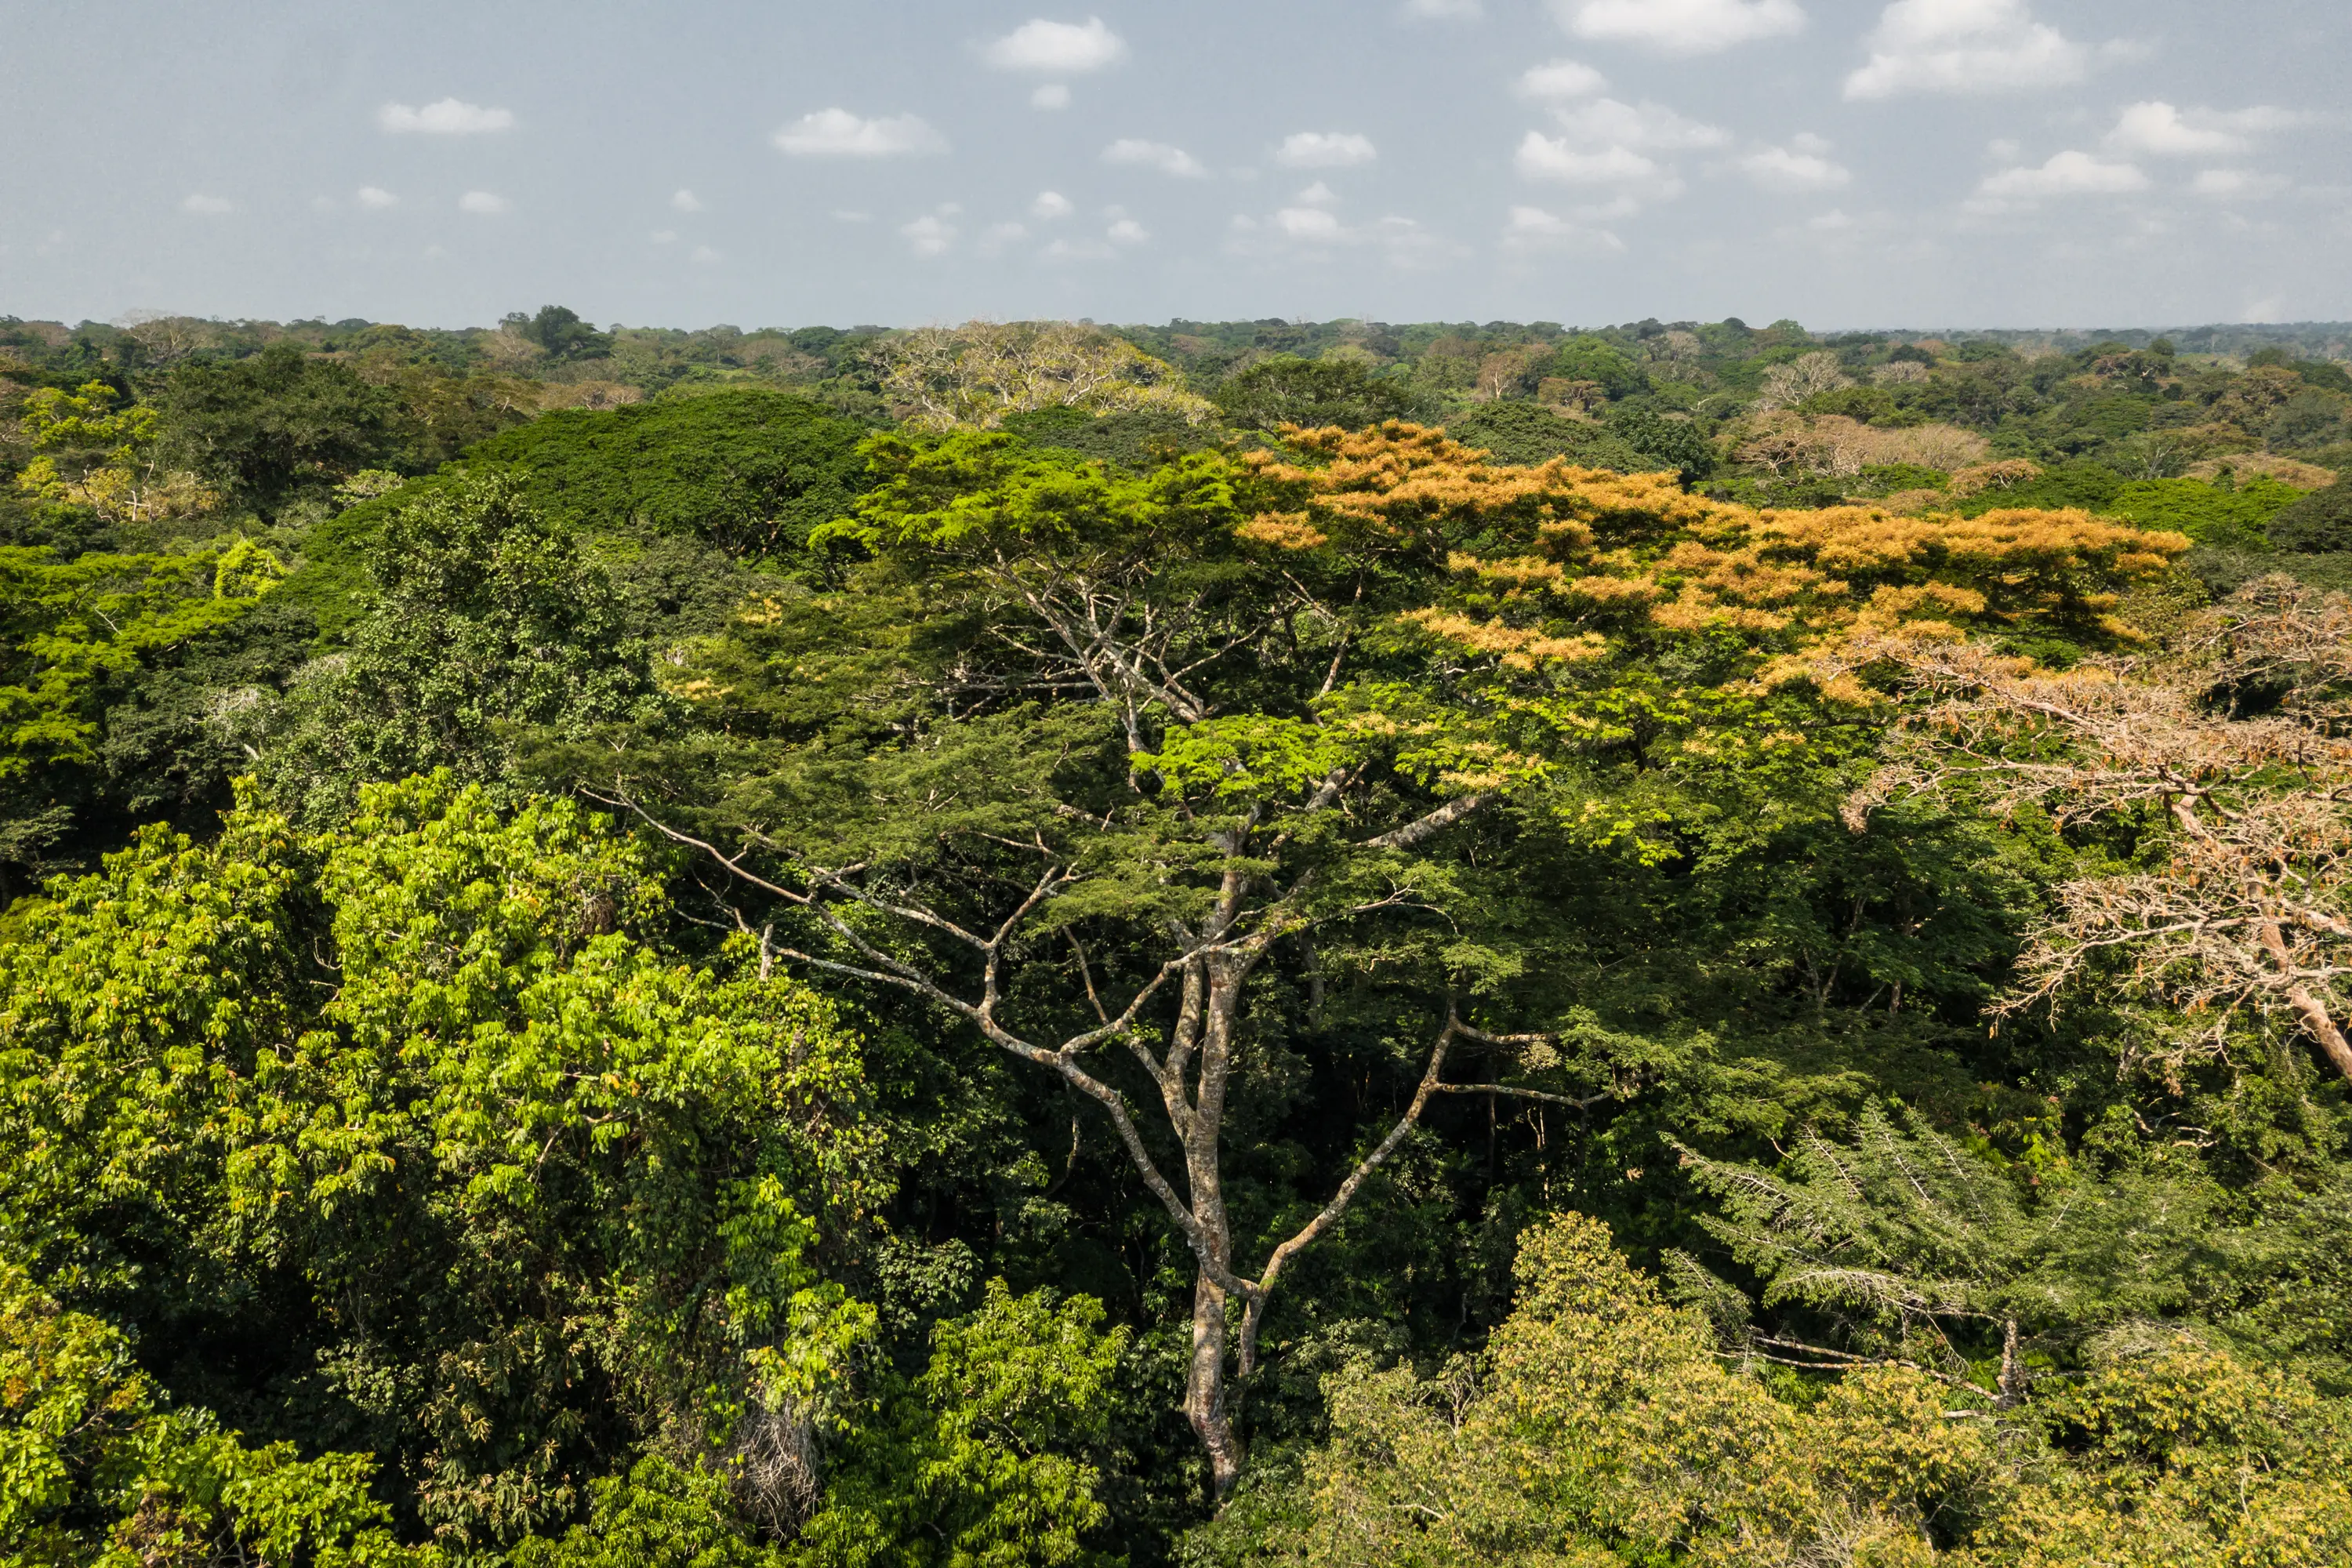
{"x": 1206, "y": 1406}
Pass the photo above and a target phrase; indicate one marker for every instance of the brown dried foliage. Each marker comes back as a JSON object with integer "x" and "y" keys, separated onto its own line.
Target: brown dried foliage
{"x": 2248, "y": 914}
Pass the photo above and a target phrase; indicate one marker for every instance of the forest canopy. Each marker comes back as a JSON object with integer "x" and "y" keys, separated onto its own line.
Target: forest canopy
{"x": 1220, "y": 943}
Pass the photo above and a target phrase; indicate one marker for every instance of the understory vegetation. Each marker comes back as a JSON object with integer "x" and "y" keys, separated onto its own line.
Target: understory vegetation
{"x": 1219, "y": 944}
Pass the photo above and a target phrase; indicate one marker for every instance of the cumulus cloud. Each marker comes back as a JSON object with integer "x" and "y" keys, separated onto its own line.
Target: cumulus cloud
{"x": 483, "y": 204}
{"x": 838, "y": 134}
{"x": 1681, "y": 27}
{"x": 1608, "y": 142}
{"x": 1529, "y": 230}
{"x": 1798, "y": 168}
{"x": 1160, "y": 155}
{"x": 447, "y": 116}
{"x": 1325, "y": 149}
{"x": 2065, "y": 175}
{"x": 1057, "y": 48}
{"x": 1310, "y": 229}
{"x": 930, "y": 235}
{"x": 1127, "y": 231}
{"x": 1053, "y": 95}
{"x": 1542, "y": 157}
{"x": 1561, "y": 78}
{"x": 1645, "y": 125}
{"x": 1317, "y": 194}
{"x": 1051, "y": 205}
{"x": 2158, "y": 129}
{"x": 203, "y": 206}
{"x": 375, "y": 198}
{"x": 1964, "y": 47}
{"x": 686, "y": 202}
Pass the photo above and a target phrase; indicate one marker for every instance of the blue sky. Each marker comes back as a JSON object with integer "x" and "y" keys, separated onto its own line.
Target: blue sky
{"x": 1999, "y": 163}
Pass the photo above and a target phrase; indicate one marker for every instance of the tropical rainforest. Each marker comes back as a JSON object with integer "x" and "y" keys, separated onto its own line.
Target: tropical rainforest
{"x": 1253, "y": 943}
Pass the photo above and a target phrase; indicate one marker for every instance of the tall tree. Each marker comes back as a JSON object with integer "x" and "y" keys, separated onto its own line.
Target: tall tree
{"x": 1082, "y": 754}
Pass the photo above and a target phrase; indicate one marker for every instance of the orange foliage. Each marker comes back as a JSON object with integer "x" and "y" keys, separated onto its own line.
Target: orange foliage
{"x": 1603, "y": 553}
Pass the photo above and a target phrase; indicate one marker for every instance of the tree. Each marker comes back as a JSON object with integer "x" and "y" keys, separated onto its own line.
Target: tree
{"x": 268, "y": 428}
{"x": 1601, "y": 1426}
{"x": 2245, "y": 913}
{"x": 1525, "y": 434}
{"x": 1908, "y": 1248}
{"x": 1182, "y": 722}
{"x": 101, "y": 1468}
{"x": 489, "y": 624}
{"x": 1287, "y": 390}
{"x": 92, "y": 454}
{"x": 2318, "y": 523}
{"x": 511, "y": 1198}
{"x": 561, "y": 333}
{"x": 74, "y": 632}
{"x": 944, "y": 378}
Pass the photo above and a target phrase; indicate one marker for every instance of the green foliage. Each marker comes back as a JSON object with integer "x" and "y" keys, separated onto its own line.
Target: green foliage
{"x": 515, "y": 1195}
{"x": 752, "y": 472}
{"x": 95, "y": 1467}
{"x": 1598, "y": 1429}
{"x": 489, "y": 622}
{"x": 2233, "y": 519}
{"x": 1134, "y": 440}
{"x": 280, "y": 425}
{"x": 982, "y": 1461}
{"x": 2321, "y": 522}
{"x": 1524, "y": 433}
{"x": 1287, "y": 390}
{"x": 559, "y": 331}
{"x": 1596, "y": 359}
{"x": 74, "y": 636}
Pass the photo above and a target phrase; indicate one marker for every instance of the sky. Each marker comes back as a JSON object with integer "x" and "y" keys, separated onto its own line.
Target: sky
{"x": 1849, "y": 164}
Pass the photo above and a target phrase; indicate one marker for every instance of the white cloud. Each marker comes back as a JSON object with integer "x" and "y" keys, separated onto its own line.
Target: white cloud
{"x": 1315, "y": 231}
{"x": 1542, "y": 157}
{"x": 2158, "y": 129}
{"x": 1529, "y": 230}
{"x": 1127, "y": 231}
{"x": 1798, "y": 168}
{"x": 1681, "y": 27}
{"x": 1157, "y": 156}
{"x": 1645, "y": 125}
{"x": 686, "y": 202}
{"x": 1060, "y": 48}
{"x": 1317, "y": 194}
{"x": 703, "y": 253}
{"x": 1964, "y": 47}
{"x": 483, "y": 203}
{"x": 1051, "y": 205}
{"x": 1053, "y": 95}
{"x": 207, "y": 206}
{"x": 1561, "y": 78}
{"x": 2065, "y": 175}
{"x": 930, "y": 235}
{"x": 447, "y": 116}
{"x": 837, "y": 133}
{"x": 1325, "y": 149}
{"x": 2237, "y": 184}
{"x": 375, "y": 198}
{"x": 1313, "y": 225}
{"x": 1445, "y": 10}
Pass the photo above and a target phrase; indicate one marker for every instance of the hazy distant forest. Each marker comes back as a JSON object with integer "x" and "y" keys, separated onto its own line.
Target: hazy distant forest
{"x": 1246, "y": 942}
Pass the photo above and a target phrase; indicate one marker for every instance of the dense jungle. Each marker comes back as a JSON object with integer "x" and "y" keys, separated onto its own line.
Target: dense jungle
{"x": 1221, "y": 943}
